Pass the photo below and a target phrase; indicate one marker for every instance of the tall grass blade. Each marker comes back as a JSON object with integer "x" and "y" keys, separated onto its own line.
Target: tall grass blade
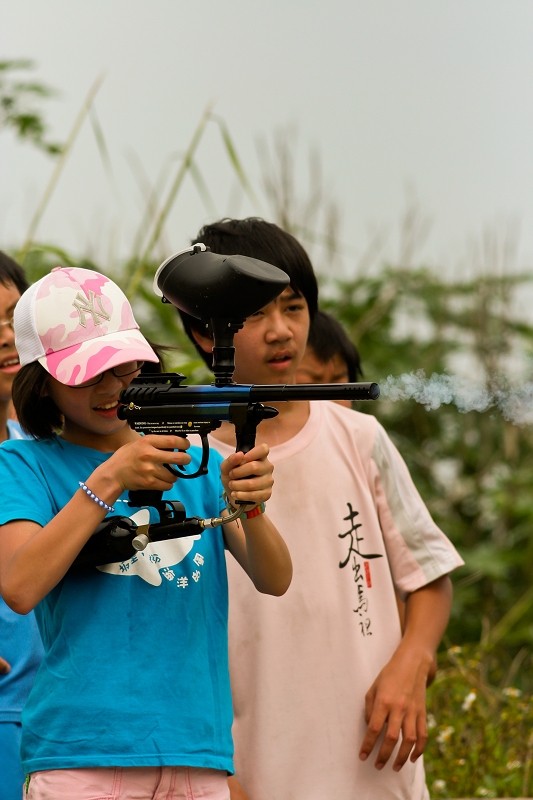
{"x": 151, "y": 194}
{"x": 41, "y": 208}
{"x": 516, "y": 612}
{"x": 103, "y": 150}
{"x": 235, "y": 161}
{"x": 142, "y": 266}
{"x": 203, "y": 191}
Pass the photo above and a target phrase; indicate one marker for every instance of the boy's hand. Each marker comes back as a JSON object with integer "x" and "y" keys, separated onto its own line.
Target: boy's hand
{"x": 141, "y": 464}
{"x": 396, "y": 701}
{"x": 236, "y": 792}
{"x": 248, "y": 478}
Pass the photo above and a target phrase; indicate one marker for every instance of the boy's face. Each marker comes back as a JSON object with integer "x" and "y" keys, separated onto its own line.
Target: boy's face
{"x": 9, "y": 361}
{"x": 312, "y": 370}
{"x": 272, "y": 342}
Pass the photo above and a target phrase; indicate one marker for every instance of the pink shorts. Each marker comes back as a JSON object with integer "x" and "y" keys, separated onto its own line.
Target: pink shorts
{"x": 128, "y": 783}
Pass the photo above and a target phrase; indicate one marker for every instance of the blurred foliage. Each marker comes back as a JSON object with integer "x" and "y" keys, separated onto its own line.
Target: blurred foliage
{"x": 480, "y": 729}
{"x": 17, "y": 105}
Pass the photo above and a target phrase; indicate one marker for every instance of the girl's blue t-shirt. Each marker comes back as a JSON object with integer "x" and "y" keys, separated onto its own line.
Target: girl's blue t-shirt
{"x": 135, "y": 671}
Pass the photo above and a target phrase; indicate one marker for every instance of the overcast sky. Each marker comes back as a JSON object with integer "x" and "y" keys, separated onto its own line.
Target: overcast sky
{"x": 432, "y": 94}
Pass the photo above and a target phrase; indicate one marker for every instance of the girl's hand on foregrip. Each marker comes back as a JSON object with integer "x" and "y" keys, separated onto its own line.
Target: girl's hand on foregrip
{"x": 141, "y": 464}
{"x": 248, "y": 477}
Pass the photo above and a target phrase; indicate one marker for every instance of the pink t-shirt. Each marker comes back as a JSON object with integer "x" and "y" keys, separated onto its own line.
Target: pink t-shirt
{"x": 301, "y": 664}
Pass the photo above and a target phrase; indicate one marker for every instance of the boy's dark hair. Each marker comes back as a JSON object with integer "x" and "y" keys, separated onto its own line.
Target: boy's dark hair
{"x": 11, "y": 272}
{"x": 328, "y": 338}
{"x": 263, "y": 240}
{"x": 37, "y": 413}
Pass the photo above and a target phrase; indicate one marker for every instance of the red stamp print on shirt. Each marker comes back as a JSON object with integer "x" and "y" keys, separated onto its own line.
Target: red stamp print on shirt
{"x": 367, "y": 574}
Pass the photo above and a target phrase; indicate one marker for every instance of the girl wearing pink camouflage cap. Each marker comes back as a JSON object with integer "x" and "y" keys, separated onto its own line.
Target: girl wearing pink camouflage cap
{"x": 132, "y": 699}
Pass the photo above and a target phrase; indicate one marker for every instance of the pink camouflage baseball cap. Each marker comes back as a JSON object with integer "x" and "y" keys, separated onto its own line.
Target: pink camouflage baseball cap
{"x": 77, "y": 323}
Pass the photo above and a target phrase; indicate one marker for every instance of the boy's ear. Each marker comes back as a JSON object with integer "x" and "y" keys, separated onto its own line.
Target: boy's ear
{"x": 205, "y": 342}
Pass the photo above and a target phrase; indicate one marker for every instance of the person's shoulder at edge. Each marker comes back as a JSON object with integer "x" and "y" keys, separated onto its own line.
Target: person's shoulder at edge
{"x": 15, "y": 432}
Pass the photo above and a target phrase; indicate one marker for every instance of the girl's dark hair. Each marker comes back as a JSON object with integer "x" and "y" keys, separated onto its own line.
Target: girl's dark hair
{"x": 37, "y": 413}
{"x": 11, "y": 272}
{"x": 266, "y": 241}
{"x": 328, "y": 338}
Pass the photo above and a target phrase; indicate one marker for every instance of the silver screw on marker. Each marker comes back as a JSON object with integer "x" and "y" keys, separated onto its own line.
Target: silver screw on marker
{"x": 140, "y": 541}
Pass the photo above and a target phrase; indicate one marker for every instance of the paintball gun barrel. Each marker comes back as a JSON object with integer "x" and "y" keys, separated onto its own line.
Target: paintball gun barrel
{"x": 159, "y": 404}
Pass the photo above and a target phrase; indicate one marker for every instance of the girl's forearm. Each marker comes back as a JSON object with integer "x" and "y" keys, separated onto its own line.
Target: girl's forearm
{"x": 261, "y": 552}
{"x": 40, "y": 556}
{"x": 269, "y": 560}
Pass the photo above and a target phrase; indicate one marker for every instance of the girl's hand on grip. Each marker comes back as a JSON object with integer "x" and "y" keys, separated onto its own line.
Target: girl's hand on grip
{"x": 141, "y": 464}
{"x": 248, "y": 477}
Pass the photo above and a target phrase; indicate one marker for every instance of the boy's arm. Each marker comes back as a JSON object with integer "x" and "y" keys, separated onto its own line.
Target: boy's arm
{"x": 255, "y": 543}
{"x": 236, "y": 792}
{"x": 397, "y": 698}
{"x": 401, "y": 613}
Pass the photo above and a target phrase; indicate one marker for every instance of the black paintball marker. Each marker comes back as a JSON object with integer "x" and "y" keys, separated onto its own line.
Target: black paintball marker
{"x": 221, "y": 291}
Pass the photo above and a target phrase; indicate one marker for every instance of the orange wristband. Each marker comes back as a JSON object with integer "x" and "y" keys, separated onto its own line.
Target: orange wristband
{"x": 255, "y": 512}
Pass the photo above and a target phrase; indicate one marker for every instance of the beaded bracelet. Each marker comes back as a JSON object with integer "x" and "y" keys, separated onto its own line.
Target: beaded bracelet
{"x": 94, "y": 497}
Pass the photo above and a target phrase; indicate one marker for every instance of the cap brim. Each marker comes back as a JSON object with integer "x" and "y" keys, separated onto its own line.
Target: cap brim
{"x": 84, "y": 361}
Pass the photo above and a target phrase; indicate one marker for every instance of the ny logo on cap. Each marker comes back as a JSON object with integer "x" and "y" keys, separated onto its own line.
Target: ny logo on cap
{"x": 86, "y": 306}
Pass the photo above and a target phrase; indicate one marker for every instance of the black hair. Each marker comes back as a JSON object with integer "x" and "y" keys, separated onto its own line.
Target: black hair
{"x": 37, "y": 413}
{"x": 11, "y": 272}
{"x": 327, "y": 338}
{"x": 266, "y": 241}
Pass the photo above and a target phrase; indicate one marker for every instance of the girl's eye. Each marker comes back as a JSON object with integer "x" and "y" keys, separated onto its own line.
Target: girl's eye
{"x": 295, "y": 307}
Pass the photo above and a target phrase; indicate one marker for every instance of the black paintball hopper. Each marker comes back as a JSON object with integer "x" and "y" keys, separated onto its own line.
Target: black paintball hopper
{"x": 208, "y": 285}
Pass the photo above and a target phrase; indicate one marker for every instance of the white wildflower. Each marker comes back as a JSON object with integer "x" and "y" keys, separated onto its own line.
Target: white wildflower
{"x": 455, "y": 650}
{"x": 512, "y": 691}
{"x": 469, "y": 701}
{"x": 445, "y": 734}
{"x": 513, "y": 764}
{"x": 431, "y": 722}
{"x": 439, "y": 786}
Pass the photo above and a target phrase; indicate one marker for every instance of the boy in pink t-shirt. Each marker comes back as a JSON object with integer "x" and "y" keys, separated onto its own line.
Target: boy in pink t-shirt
{"x": 323, "y": 677}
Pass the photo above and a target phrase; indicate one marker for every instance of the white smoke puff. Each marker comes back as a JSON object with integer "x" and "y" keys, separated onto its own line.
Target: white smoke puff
{"x": 436, "y": 391}
{"x": 472, "y": 398}
{"x": 440, "y": 390}
{"x": 429, "y": 392}
{"x": 517, "y": 405}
